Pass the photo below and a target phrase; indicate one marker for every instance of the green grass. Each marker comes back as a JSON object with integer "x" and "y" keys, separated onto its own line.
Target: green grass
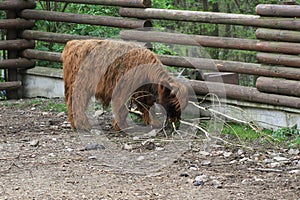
{"x": 43, "y": 104}
{"x": 285, "y": 136}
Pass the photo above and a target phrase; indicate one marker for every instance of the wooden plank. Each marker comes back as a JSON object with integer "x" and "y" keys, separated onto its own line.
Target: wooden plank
{"x": 278, "y": 10}
{"x": 278, "y": 86}
{"x": 243, "y": 93}
{"x": 10, "y": 85}
{"x": 279, "y": 59}
{"x": 17, "y": 63}
{"x": 124, "y": 3}
{"x": 212, "y": 17}
{"x": 84, "y": 19}
{"x": 278, "y": 35}
{"x": 210, "y": 41}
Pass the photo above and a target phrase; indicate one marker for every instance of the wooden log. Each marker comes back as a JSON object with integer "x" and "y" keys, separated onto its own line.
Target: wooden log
{"x": 244, "y": 94}
{"x": 17, "y": 63}
{"x": 198, "y": 63}
{"x": 211, "y": 17}
{"x": 41, "y": 55}
{"x": 11, "y": 34}
{"x": 17, "y": 5}
{"x": 124, "y": 3}
{"x": 210, "y": 41}
{"x": 231, "y": 66}
{"x": 12, "y": 85}
{"x": 278, "y": 10}
{"x": 17, "y": 44}
{"x": 16, "y": 23}
{"x": 52, "y": 37}
{"x": 278, "y": 35}
{"x": 84, "y": 19}
{"x": 278, "y": 86}
{"x": 279, "y": 59}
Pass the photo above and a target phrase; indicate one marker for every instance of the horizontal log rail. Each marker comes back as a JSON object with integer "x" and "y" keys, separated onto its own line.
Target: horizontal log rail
{"x": 18, "y": 63}
{"x": 84, "y": 19}
{"x": 124, "y": 3}
{"x": 244, "y": 93}
{"x": 52, "y": 37}
{"x": 198, "y": 63}
{"x": 278, "y": 10}
{"x": 210, "y": 41}
{"x": 279, "y": 59}
{"x": 278, "y": 86}
{"x": 16, "y": 23}
{"x": 17, "y": 5}
{"x": 278, "y": 35}
{"x": 17, "y": 44}
{"x": 231, "y": 66}
{"x": 211, "y": 17}
{"x": 12, "y": 85}
{"x": 41, "y": 55}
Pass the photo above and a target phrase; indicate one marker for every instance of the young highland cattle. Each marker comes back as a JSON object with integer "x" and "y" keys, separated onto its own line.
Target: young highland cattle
{"x": 122, "y": 73}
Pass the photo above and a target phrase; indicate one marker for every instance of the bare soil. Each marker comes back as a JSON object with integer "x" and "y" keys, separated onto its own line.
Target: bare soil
{"x": 41, "y": 157}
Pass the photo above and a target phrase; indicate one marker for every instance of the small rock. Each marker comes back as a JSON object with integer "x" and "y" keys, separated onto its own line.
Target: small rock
{"x": 159, "y": 148}
{"x": 296, "y": 171}
{"x": 240, "y": 152}
{"x": 94, "y": 146}
{"x": 245, "y": 182}
{"x": 280, "y": 158}
{"x": 198, "y": 183}
{"x": 34, "y": 143}
{"x": 293, "y": 151}
{"x": 205, "y": 162}
{"x": 227, "y": 154}
{"x": 61, "y": 114}
{"x": 51, "y": 154}
{"x": 193, "y": 167}
{"x": 258, "y": 179}
{"x": 54, "y": 127}
{"x": 140, "y": 158}
{"x": 233, "y": 161}
{"x": 136, "y": 138}
{"x": 203, "y": 178}
{"x": 244, "y": 159}
{"x": 92, "y": 157}
{"x": 268, "y": 160}
{"x": 152, "y": 133}
{"x": 127, "y": 147}
{"x": 184, "y": 174}
{"x": 274, "y": 164}
{"x": 204, "y": 153}
{"x": 217, "y": 184}
{"x": 45, "y": 113}
{"x": 69, "y": 149}
{"x": 98, "y": 113}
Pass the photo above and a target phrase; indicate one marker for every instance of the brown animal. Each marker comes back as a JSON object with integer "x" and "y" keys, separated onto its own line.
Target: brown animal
{"x": 120, "y": 72}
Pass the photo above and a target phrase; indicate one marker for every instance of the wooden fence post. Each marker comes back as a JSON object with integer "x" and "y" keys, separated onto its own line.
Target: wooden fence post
{"x": 12, "y": 8}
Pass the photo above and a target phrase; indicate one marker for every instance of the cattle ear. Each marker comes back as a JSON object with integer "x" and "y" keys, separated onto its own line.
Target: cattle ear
{"x": 164, "y": 88}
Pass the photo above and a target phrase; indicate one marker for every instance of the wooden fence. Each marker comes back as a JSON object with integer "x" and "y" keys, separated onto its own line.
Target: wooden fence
{"x": 277, "y": 44}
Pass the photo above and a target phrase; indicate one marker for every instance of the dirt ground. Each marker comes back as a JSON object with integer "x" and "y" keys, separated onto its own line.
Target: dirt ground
{"x": 43, "y": 158}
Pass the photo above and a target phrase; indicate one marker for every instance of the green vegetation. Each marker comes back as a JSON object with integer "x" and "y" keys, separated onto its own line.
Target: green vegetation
{"x": 285, "y": 136}
{"x": 53, "y": 105}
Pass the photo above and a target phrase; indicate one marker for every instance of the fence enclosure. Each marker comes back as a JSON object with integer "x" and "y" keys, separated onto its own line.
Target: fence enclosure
{"x": 277, "y": 44}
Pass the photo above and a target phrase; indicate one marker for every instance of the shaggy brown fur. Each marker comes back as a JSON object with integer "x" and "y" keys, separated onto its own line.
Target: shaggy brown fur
{"x": 120, "y": 72}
